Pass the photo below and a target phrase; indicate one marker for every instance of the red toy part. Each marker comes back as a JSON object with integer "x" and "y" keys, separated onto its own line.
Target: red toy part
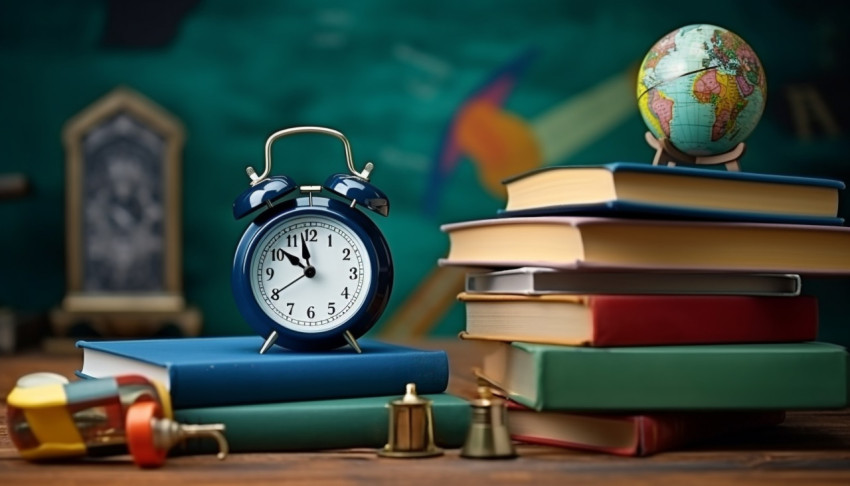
{"x": 140, "y": 434}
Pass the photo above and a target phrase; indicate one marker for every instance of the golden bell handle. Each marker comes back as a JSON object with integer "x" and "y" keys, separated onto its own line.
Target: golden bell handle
{"x": 349, "y": 159}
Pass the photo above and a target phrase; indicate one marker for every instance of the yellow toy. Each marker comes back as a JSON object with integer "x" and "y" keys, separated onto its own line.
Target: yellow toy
{"x": 49, "y": 418}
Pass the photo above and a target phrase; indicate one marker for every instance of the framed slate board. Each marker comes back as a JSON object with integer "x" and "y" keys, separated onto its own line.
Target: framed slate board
{"x": 123, "y": 208}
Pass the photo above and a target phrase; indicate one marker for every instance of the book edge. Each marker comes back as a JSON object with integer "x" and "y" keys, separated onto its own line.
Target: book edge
{"x": 622, "y": 166}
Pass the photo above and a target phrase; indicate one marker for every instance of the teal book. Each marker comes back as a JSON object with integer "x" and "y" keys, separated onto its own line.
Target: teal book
{"x": 217, "y": 371}
{"x": 321, "y": 425}
{"x": 633, "y": 190}
{"x": 782, "y": 376}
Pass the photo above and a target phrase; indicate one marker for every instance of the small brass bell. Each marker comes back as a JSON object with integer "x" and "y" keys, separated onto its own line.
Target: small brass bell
{"x": 488, "y": 436}
{"x": 411, "y": 427}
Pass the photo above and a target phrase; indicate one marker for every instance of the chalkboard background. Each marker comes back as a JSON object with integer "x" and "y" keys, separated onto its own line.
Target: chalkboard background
{"x": 399, "y": 79}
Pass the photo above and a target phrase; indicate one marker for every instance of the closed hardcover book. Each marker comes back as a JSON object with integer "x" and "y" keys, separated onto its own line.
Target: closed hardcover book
{"x": 642, "y": 434}
{"x": 640, "y": 320}
{"x": 611, "y": 243}
{"x": 321, "y": 424}
{"x": 213, "y": 371}
{"x": 782, "y": 376}
{"x": 542, "y": 281}
{"x": 632, "y": 189}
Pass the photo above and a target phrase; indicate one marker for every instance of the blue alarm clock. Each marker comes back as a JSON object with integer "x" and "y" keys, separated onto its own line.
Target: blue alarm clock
{"x": 311, "y": 272}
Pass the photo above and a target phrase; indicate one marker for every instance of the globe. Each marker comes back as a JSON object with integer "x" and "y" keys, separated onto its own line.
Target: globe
{"x": 702, "y": 88}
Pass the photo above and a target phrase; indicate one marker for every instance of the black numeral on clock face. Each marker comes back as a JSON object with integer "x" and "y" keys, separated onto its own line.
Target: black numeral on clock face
{"x": 308, "y": 235}
{"x": 311, "y": 310}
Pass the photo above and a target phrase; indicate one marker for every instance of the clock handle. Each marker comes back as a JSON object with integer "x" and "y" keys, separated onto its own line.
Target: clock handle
{"x": 255, "y": 179}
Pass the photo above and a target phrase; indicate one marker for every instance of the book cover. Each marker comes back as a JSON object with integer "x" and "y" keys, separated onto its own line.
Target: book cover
{"x": 321, "y": 424}
{"x": 782, "y": 376}
{"x": 632, "y": 434}
{"x": 211, "y": 371}
{"x": 542, "y": 281}
{"x": 610, "y": 243}
{"x": 637, "y": 210}
{"x": 631, "y": 189}
{"x": 640, "y": 320}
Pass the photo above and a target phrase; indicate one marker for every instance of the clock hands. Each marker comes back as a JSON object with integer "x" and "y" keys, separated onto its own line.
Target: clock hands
{"x": 309, "y": 270}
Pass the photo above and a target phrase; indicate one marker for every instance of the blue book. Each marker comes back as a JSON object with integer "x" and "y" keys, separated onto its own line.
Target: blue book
{"x": 643, "y": 191}
{"x": 217, "y": 371}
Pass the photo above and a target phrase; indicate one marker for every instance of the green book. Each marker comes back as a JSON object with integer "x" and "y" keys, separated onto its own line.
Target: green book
{"x": 319, "y": 424}
{"x": 808, "y": 375}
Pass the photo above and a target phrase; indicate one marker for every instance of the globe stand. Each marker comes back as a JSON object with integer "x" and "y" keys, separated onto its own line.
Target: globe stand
{"x": 667, "y": 154}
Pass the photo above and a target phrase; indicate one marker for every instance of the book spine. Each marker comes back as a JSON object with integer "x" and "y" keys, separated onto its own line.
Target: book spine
{"x": 719, "y": 377}
{"x": 319, "y": 425}
{"x": 352, "y": 375}
{"x": 654, "y": 320}
{"x": 617, "y": 451}
{"x": 670, "y": 432}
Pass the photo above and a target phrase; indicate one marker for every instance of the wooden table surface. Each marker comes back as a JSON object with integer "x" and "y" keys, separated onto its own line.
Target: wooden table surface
{"x": 809, "y": 448}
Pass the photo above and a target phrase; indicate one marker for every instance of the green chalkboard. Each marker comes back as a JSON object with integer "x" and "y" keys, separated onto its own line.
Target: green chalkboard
{"x": 445, "y": 97}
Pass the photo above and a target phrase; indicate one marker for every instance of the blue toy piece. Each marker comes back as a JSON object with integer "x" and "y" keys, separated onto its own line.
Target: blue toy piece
{"x": 311, "y": 272}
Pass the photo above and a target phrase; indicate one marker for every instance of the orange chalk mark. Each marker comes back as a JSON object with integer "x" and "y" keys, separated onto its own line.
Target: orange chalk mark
{"x": 498, "y": 142}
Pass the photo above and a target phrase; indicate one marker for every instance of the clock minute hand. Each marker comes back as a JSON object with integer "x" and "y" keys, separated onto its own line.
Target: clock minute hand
{"x": 305, "y": 252}
{"x": 310, "y": 271}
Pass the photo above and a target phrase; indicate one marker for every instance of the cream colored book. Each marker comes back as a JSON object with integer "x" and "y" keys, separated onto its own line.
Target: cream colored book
{"x": 614, "y": 243}
{"x": 684, "y": 191}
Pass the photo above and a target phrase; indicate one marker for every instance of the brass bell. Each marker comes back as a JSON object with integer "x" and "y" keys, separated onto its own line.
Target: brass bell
{"x": 488, "y": 436}
{"x": 411, "y": 427}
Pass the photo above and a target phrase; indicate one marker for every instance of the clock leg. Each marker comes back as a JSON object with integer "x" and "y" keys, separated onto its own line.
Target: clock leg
{"x": 269, "y": 341}
{"x": 351, "y": 341}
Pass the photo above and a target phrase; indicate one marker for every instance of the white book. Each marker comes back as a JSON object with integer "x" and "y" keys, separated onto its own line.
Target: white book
{"x": 540, "y": 280}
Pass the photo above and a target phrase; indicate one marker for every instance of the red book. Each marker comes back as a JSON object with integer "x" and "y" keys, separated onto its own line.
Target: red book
{"x": 640, "y": 320}
{"x": 631, "y": 435}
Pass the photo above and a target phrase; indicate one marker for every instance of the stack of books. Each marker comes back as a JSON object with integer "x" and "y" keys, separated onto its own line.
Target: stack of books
{"x": 633, "y": 308}
{"x": 286, "y": 400}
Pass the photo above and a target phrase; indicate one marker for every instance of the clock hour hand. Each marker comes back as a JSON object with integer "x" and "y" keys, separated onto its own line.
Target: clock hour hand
{"x": 294, "y": 260}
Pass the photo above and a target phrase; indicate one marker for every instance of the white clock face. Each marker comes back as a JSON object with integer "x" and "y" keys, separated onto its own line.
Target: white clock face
{"x": 311, "y": 273}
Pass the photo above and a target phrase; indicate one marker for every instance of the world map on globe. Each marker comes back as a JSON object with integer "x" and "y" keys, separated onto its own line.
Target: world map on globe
{"x": 702, "y": 88}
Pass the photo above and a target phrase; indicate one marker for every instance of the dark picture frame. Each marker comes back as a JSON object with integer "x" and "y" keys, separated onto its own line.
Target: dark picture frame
{"x": 123, "y": 217}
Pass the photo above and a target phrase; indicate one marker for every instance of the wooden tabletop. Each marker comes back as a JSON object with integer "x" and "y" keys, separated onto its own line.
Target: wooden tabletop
{"x": 809, "y": 448}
